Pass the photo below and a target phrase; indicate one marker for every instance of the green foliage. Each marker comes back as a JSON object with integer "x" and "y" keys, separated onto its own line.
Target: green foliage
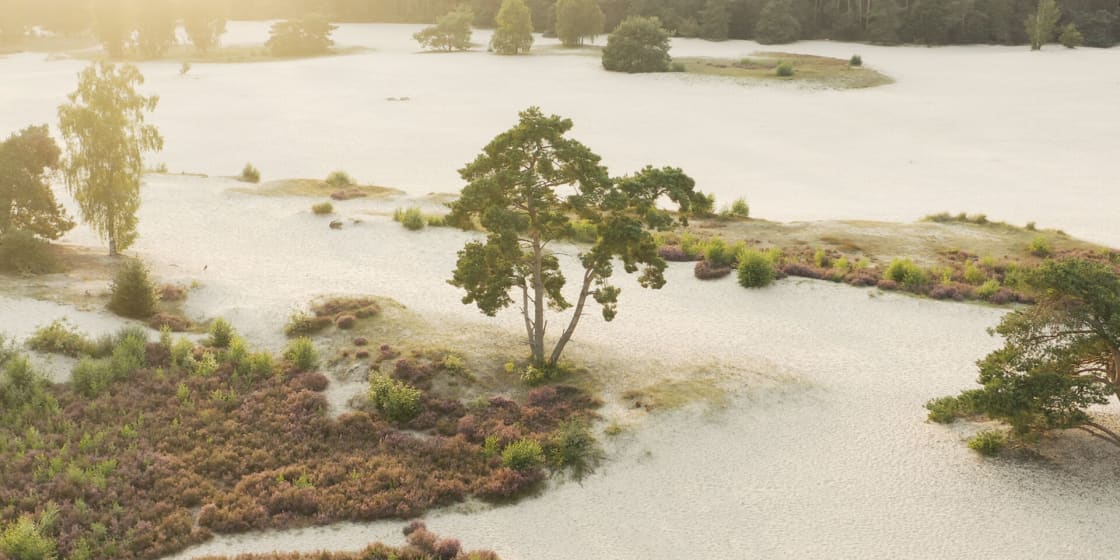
{"x": 221, "y": 334}
{"x": 738, "y": 209}
{"x": 1070, "y": 37}
{"x": 452, "y": 31}
{"x": 60, "y": 337}
{"x": 755, "y": 269}
{"x": 718, "y": 253}
{"x": 784, "y": 69}
{"x": 132, "y": 292}
{"x": 883, "y": 24}
{"x": 396, "y": 400}
{"x": 907, "y": 274}
{"x": 1040, "y": 247}
{"x": 945, "y": 410}
{"x": 301, "y": 354}
{"x": 974, "y": 274}
{"x": 340, "y": 179}
{"x": 855, "y": 61}
{"x": 303, "y": 324}
{"x": 573, "y": 447}
{"x": 322, "y": 208}
{"x": 103, "y": 127}
{"x": 523, "y": 454}
{"x": 514, "y": 34}
{"x": 250, "y": 174}
{"x": 584, "y": 231}
{"x": 777, "y": 24}
{"x": 1042, "y": 23}
{"x": 91, "y": 376}
{"x": 637, "y": 45}
{"x": 411, "y": 218}
{"x": 23, "y": 391}
{"x": 309, "y": 35}
{"x": 27, "y": 203}
{"x": 518, "y": 192}
{"x": 25, "y": 540}
{"x": 988, "y": 289}
{"x": 22, "y": 252}
{"x": 714, "y": 20}
{"x": 577, "y": 20}
{"x": 987, "y": 442}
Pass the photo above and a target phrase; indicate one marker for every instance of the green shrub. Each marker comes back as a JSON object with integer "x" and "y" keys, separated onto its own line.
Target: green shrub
{"x": 718, "y": 253}
{"x": 906, "y": 273}
{"x": 856, "y": 60}
{"x": 260, "y": 365}
{"x": 1040, "y": 247}
{"x": 221, "y": 334}
{"x": 322, "y": 208}
{"x": 91, "y": 376}
{"x": 988, "y": 289}
{"x": 755, "y": 269}
{"x": 573, "y": 447}
{"x": 738, "y": 209}
{"x": 784, "y": 69}
{"x": 821, "y": 259}
{"x": 301, "y": 354}
{"x": 584, "y": 231}
{"x": 181, "y": 353}
{"x": 411, "y": 218}
{"x": 133, "y": 294}
{"x": 1070, "y": 37}
{"x": 24, "y": 540}
{"x": 130, "y": 353}
{"x": 974, "y": 274}
{"x": 340, "y": 179}
{"x": 22, "y": 252}
{"x": 60, "y": 337}
{"x": 945, "y": 410}
{"x": 250, "y": 174}
{"x": 522, "y": 455}
{"x": 1031, "y": 226}
{"x": 988, "y": 442}
{"x": 397, "y": 401}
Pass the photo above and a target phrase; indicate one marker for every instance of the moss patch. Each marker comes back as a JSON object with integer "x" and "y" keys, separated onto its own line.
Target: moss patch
{"x": 673, "y": 394}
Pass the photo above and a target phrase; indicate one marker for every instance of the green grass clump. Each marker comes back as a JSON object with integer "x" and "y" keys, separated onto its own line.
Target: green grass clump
{"x": 988, "y": 442}
{"x": 784, "y": 70}
{"x": 340, "y": 179}
{"x": 250, "y": 174}
{"x": 1040, "y": 247}
{"x": 301, "y": 354}
{"x": 395, "y": 399}
{"x": 522, "y": 455}
{"x": 322, "y": 209}
{"x": 133, "y": 294}
{"x": 60, "y": 337}
{"x": 755, "y": 269}
{"x": 411, "y": 218}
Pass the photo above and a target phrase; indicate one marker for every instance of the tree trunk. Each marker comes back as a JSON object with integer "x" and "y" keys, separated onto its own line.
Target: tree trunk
{"x": 538, "y": 302}
{"x": 588, "y": 276}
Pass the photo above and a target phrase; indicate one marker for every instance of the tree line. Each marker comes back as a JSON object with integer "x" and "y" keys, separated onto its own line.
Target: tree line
{"x": 931, "y": 22}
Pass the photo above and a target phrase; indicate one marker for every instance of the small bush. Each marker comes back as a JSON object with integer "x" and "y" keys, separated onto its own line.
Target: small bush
{"x": 738, "y": 209}
{"x": 1040, "y": 247}
{"x": 573, "y": 447}
{"x": 60, "y": 337}
{"x": 718, "y": 253}
{"x": 24, "y": 540}
{"x": 855, "y": 61}
{"x": 974, "y": 274}
{"x": 522, "y": 455}
{"x": 755, "y": 269}
{"x": 221, "y": 334}
{"x": 1070, "y": 37}
{"x": 340, "y": 179}
{"x": 301, "y": 354}
{"x": 411, "y": 218}
{"x": 907, "y": 274}
{"x": 22, "y": 252}
{"x": 784, "y": 70}
{"x": 988, "y": 442}
{"x": 988, "y": 289}
{"x": 172, "y": 322}
{"x": 397, "y": 401}
{"x": 704, "y": 270}
{"x": 250, "y": 174}
{"x": 945, "y": 410}
{"x": 133, "y": 294}
{"x": 1031, "y": 226}
{"x": 322, "y": 209}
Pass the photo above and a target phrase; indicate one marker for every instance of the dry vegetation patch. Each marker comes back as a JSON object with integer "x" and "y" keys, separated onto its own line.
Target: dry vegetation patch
{"x": 317, "y": 188}
{"x": 818, "y": 71}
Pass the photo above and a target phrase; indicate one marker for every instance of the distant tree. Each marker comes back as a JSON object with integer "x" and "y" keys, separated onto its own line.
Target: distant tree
{"x": 927, "y": 21}
{"x": 1041, "y": 25}
{"x": 514, "y": 34}
{"x": 205, "y": 23}
{"x": 1097, "y": 28}
{"x": 103, "y": 126}
{"x": 485, "y": 12}
{"x": 639, "y": 44}
{"x": 883, "y": 23}
{"x": 26, "y": 201}
{"x": 452, "y": 31}
{"x": 715, "y": 18}
{"x": 113, "y": 24}
{"x": 577, "y": 20}
{"x": 777, "y": 24}
{"x": 525, "y": 190}
{"x": 299, "y": 37}
{"x": 155, "y": 27}
{"x": 1070, "y": 37}
{"x": 1060, "y": 356}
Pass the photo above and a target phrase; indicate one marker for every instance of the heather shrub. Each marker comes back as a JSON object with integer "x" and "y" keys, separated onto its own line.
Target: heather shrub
{"x": 345, "y": 322}
{"x": 322, "y": 208}
{"x": 303, "y": 324}
{"x": 132, "y": 293}
{"x": 705, "y": 271}
{"x": 174, "y": 323}
{"x": 301, "y": 354}
{"x": 755, "y": 269}
{"x": 396, "y": 400}
{"x": 250, "y": 174}
{"x": 23, "y": 252}
{"x": 411, "y": 218}
{"x": 522, "y": 455}
{"x": 987, "y": 442}
{"x": 340, "y": 179}
{"x": 221, "y": 334}
{"x": 60, "y": 337}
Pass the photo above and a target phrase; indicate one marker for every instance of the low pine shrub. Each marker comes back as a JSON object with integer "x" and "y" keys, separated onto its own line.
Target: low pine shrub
{"x": 907, "y": 274}
{"x": 988, "y": 442}
{"x": 755, "y": 269}
{"x": 573, "y": 447}
{"x": 221, "y": 334}
{"x": 1040, "y": 247}
{"x": 132, "y": 293}
{"x": 398, "y": 401}
{"x": 522, "y": 455}
{"x": 301, "y": 354}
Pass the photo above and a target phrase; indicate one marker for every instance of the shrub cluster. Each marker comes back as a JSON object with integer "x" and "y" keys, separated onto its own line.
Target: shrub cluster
{"x": 132, "y": 292}
{"x": 411, "y": 218}
{"x": 343, "y": 312}
{"x": 23, "y": 252}
{"x": 250, "y": 174}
